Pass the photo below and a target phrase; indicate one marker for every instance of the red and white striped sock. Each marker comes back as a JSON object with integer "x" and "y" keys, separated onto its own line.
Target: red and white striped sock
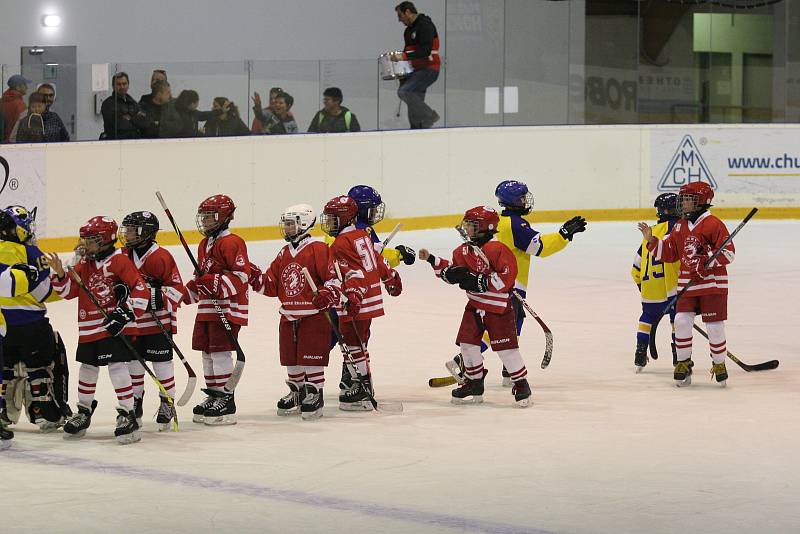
{"x": 514, "y": 364}
{"x": 165, "y": 372}
{"x": 121, "y": 380}
{"x": 716, "y": 340}
{"x": 137, "y": 377}
{"x": 87, "y": 382}
{"x": 315, "y": 375}
{"x": 360, "y": 359}
{"x": 473, "y": 361}
{"x": 223, "y": 368}
{"x": 684, "y": 322}
{"x": 297, "y": 375}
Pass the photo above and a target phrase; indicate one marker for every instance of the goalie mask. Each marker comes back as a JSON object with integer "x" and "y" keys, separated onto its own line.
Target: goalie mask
{"x": 17, "y": 224}
{"x": 297, "y": 221}
{"x": 138, "y": 228}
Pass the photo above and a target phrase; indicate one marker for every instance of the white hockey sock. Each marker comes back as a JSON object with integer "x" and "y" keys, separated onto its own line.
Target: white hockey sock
{"x": 684, "y": 322}
{"x": 473, "y": 361}
{"x": 223, "y": 367}
{"x": 360, "y": 358}
{"x": 121, "y": 380}
{"x": 716, "y": 341}
{"x": 208, "y": 371}
{"x": 165, "y": 371}
{"x": 297, "y": 375}
{"x": 315, "y": 375}
{"x": 87, "y": 382}
{"x": 137, "y": 377}
{"x": 514, "y": 364}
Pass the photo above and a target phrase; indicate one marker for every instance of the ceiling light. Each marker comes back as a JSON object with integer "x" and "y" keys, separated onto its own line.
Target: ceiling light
{"x": 51, "y": 21}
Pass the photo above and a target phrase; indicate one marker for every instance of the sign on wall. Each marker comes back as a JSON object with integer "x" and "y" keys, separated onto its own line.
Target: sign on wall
{"x": 735, "y": 160}
{"x": 23, "y": 182}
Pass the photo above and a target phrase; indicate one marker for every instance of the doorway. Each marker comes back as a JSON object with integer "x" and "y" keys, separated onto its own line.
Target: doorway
{"x": 58, "y": 66}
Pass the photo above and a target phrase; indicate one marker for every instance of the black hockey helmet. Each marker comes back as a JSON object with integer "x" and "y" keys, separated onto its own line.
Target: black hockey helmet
{"x": 138, "y": 228}
{"x": 666, "y": 206}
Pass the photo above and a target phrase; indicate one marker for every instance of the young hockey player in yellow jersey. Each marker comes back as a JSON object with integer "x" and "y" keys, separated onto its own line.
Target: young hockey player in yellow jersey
{"x": 657, "y": 281}
{"x": 515, "y": 232}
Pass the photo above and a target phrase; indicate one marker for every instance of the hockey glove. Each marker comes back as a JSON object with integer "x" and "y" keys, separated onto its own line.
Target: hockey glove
{"x": 407, "y": 254}
{"x": 156, "y": 297}
{"x": 254, "y": 280}
{"x": 573, "y": 226}
{"x": 354, "y": 298}
{"x": 453, "y": 274}
{"x": 324, "y": 299}
{"x": 117, "y": 320}
{"x": 31, "y": 273}
{"x": 393, "y": 284}
{"x": 475, "y": 282}
{"x": 211, "y": 285}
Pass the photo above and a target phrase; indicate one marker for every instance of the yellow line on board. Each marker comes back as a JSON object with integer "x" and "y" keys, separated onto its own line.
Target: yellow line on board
{"x": 765, "y": 174}
{"x": 263, "y": 233}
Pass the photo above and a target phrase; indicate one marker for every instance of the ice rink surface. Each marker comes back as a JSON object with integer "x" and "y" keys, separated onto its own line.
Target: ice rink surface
{"x": 601, "y": 450}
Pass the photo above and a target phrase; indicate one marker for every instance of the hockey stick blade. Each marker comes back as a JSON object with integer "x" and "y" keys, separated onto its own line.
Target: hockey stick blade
{"x": 765, "y": 366}
{"x": 191, "y": 384}
{"x": 442, "y": 381}
{"x": 390, "y": 407}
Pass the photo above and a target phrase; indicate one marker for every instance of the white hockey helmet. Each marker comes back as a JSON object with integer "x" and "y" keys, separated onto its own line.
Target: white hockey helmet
{"x": 297, "y": 221}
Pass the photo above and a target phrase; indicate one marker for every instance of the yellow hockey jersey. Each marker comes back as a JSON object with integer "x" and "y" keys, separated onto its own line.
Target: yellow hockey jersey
{"x": 24, "y": 307}
{"x": 657, "y": 280}
{"x": 12, "y": 283}
{"x": 516, "y": 233}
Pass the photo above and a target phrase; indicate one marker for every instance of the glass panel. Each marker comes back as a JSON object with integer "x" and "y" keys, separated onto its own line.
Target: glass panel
{"x": 300, "y": 79}
{"x": 357, "y": 80}
{"x": 791, "y": 82}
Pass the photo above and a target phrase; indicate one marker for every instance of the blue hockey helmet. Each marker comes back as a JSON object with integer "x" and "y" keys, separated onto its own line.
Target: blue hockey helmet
{"x": 370, "y": 206}
{"x": 515, "y": 195}
{"x": 666, "y": 206}
{"x": 18, "y": 224}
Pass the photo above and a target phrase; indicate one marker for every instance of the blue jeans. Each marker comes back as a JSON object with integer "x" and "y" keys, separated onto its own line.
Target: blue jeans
{"x": 412, "y": 92}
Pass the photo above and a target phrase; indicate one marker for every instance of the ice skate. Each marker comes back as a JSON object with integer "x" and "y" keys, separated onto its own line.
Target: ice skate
{"x": 222, "y": 410}
{"x": 640, "y": 357}
{"x": 507, "y": 383}
{"x": 311, "y": 407}
{"x": 720, "y": 372}
{"x": 683, "y": 373}
{"x": 347, "y": 377}
{"x": 290, "y": 403}
{"x": 522, "y": 393}
{"x": 6, "y": 436}
{"x": 200, "y": 409}
{"x": 471, "y": 392}
{"x": 456, "y": 368}
{"x": 76, "y": 426}
{"x": 127, "y": 430}
{"x": 138, "y": 409}
{"x": 165, "y": 414}
{"x": 357, "y": 398}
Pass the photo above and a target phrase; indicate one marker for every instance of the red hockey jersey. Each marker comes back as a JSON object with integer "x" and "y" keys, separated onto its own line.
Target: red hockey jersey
{"x": 689, "y": 242}
{"x": 362, "y": 269}
{"x": 100, "y": 277}
{"x": 502, "y": 272}
{"x": 285, "y": 279}
{"x": 157, "y": 265}
{"x": 226, "y": 255}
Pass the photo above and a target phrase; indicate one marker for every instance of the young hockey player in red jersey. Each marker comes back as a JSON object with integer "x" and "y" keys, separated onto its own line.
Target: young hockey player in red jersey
{"x": 104, "y": 270}
{"x": 693, "y": 240}
{"x": 488, "y": 306}
{"x": 304, "y": 331}
{"x": 157, "y": 267}
{"x": 225, "y": 270}
{"x": 362, "y": 270}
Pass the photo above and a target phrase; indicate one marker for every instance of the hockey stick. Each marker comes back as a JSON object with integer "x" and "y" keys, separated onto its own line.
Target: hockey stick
{"x": 191, "y": 382}
{"x": 392, "y": 234}
{"x": 673, "y": 300}
{"x": 77, "y": 279}
{"x": 548, "y": 334}
{"x": 442, "y": 381}
{"x": 390, "y": 407}
{"x": 238, "y": 369}
{"x": 766, "y": 366}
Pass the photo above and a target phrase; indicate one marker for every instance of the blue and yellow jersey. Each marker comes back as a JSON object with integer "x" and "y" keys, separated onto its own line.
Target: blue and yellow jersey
{"x": 12, "y": 283}
{"x": 657, "y": 280}
{"x": 24, "y": 307}
{"x": 516, "y": 233}
{"x": 392, "y": 256}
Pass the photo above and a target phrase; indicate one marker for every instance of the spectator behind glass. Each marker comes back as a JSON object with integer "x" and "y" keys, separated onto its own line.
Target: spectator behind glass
{"x": 30, "y": 127}
{"x": 279, "y": 120}
{"x": 121, "y": 117}
{"x": 333, "y": 117}
{"x": 225, "y": 120}
{"x": 159, "y": 75}
{"x": 180, "y": 116}
{"x": 153, "y": 109}
{"x": 54, "y": 129}
{"x": 257, "y": 127}
{"x": 12, "y": 106}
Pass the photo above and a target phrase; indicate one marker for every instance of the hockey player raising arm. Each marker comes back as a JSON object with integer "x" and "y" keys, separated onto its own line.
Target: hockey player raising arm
{"x": 304, "y": 333}
{"x": 102, "y": 268}
{"x": 488, "y": 306}
{"x": 694, "y": 238}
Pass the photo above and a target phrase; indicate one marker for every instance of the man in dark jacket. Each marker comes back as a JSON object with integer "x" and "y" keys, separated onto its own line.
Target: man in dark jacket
{"x": 54, "y": 129}
{"x": 422, "y": 50}
{"x": 333, "y": 117}
{"x": 159, "y": 75}
{"x": 121, "y": 117}
{"x": 152, "y": 109}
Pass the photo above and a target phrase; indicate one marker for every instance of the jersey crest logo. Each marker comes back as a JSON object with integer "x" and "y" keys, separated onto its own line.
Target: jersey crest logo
{"x": 692, "y": 251}
{"x": 686, "y": 166}
{"x": 293, "y": 280}
{"x": 101, "y": 288}
{"x": 240, "y": 261}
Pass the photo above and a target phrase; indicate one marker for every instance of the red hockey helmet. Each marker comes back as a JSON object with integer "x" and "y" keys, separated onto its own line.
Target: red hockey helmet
{"x": 694, "y": 197}
{"x": 480, "y": 223}
{"x": 338, "y": 213}
{"x": 214, "y": 213}
{"x": 97, "y": 234}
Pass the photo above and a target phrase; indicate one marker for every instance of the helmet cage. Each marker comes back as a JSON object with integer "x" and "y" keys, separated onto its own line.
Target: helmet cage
{"x": 330, "y": 224}
{"x": 376, "y": 213}
{"x": 202, "y": 221}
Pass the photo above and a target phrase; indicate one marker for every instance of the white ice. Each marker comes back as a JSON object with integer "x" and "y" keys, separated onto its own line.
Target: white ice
{"x": 601, "y": 450}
